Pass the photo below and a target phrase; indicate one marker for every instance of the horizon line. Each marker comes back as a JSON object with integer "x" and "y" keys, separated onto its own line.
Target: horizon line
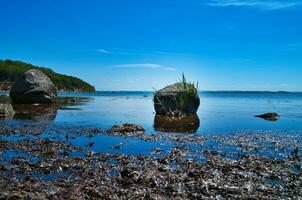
{"x": 251, "y": 91}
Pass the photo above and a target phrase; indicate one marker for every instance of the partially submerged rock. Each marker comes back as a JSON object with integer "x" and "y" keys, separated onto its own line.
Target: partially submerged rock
{"x": 269, "y": 116}
{"x": 6, "y": 111}
{"x": 126, "y": 129}
{"x": 178, "y": 99}
{"x": 33, "y": 87}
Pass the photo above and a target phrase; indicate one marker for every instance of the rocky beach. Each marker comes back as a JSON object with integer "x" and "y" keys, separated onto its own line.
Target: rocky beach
{"x": 55, "y": 147}
{"x": 39, "y": 161}
{"x": 151, "y": 100}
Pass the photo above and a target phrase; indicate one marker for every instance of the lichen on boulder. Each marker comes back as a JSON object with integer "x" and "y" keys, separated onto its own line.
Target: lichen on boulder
{"x": 179, "y": 99}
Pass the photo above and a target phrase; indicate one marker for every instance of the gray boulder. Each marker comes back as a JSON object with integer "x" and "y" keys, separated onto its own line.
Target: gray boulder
{"x": 6, "y": 111}
{"x": 178, "y": 99}
{"x": 33, "y": 87}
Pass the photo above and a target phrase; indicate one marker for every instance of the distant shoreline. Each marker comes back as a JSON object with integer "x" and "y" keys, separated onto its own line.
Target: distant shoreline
{"x": 202, "y": 91}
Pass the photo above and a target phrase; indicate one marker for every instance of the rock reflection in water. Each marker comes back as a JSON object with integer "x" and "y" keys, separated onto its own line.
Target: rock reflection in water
{"x": 35, "y": 112}
{"x": 46, "y": 112}
{"x": 189, "y": 124}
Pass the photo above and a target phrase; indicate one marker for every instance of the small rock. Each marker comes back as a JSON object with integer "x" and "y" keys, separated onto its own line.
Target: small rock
{"x": 6, "y": 111}
{"x": 127, "y": 128}
{"x": 269, "y": 116}
{"x": 89, "y": 144}
{"x": 157, "y": 151}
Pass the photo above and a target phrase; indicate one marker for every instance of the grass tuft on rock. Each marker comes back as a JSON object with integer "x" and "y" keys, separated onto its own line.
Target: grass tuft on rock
{"x": 180, "y": 99}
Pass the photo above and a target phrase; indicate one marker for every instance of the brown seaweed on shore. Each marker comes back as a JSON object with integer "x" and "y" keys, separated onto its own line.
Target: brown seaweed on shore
{"x": 42, "y": 168}
{"x": 56, "y": 175}
{"x": 126, "y": 130}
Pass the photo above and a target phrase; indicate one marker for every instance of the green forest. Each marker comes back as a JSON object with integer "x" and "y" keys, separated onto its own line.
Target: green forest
{"x": 10, "y": 70}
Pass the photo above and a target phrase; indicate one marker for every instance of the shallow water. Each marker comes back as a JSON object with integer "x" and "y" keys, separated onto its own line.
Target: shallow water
{"x": 220, "y": 114}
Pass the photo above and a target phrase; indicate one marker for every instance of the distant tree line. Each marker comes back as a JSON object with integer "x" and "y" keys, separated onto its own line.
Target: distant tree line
{"x": 10, "y": 70}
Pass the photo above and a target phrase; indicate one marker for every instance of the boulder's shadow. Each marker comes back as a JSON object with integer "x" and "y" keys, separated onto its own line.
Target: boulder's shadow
{"x": 189, "y": 124}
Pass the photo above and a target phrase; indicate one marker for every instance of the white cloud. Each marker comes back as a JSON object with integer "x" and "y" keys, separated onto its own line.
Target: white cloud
{"x": 293, "y": 47}
{"x": 119, "y": 51}
{"x": 297, "y": 44}
{"x": 104, "y": 51}
{"x": 260, "y": 4}
{"x": 140, "y": 65}
{"x": 144, "y": 65}
{"x": 169, "y": 69}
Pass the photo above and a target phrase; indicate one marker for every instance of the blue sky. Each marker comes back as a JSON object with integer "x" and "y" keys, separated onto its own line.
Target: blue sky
{"x": 141, "y": 45}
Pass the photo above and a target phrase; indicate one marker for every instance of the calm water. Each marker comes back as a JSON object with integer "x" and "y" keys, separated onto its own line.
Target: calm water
{"x": 220, "y": 113}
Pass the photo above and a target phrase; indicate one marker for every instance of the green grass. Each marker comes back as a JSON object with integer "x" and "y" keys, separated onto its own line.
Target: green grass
{"x": 190, "y": 87}
{"x": 184, "y": 101}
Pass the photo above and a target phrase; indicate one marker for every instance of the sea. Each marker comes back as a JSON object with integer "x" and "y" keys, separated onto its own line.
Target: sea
{"x": 220, "y": 113}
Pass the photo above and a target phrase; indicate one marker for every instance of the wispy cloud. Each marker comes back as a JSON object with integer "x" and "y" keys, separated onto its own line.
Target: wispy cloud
{"x": 119, "y": 51}
{"x": 104, "y": 51}
{"x": 297, "y": 44}
{"x": 169, "y": 68}
{"x": 259, "y": 4}
{"x": 144, "y": 66}
{"x": 140, "y": 65}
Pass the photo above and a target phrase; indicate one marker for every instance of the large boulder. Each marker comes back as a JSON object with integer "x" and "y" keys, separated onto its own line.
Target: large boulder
{"x": 179, "y": 99}
{"x": 33, "y": 87}
{"x": 6, "y": 111}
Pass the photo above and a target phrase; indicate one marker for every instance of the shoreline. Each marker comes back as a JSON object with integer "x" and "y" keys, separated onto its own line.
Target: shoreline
{"x": 201, "y": 91}
{"x": 191, "y": 168}
{"x": 41, "y": 157}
